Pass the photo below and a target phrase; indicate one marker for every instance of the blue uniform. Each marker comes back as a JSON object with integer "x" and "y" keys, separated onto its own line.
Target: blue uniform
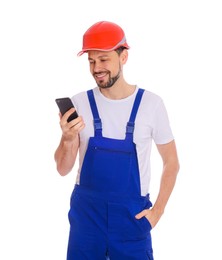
{"x": 104, "y": 204}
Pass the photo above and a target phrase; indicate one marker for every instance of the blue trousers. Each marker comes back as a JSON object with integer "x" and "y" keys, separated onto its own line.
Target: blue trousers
{"x": 106, "y": 228}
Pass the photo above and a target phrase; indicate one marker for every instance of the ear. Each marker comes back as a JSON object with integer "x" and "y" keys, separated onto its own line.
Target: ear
{"x": 124, "y": 56}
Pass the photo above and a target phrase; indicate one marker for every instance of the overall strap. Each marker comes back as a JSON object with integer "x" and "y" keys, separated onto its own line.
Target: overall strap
{"x": 96, "y": 119}
{"x": 131, "y": 123}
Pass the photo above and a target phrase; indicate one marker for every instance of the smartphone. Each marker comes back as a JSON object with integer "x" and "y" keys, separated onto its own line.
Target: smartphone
{"x": 64, "y": 105}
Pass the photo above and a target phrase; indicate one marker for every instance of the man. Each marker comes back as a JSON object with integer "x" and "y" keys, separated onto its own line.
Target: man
{"x": 111, "y": 215}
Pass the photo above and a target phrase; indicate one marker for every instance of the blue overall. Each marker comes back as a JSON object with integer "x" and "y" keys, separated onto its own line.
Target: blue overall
{"x": 104, "y": 204}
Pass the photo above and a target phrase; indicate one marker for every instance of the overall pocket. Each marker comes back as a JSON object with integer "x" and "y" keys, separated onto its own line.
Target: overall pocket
{"x": 122, "y": 221}
{"x": 136, "y": 229}
{"x": 110, "y": 170}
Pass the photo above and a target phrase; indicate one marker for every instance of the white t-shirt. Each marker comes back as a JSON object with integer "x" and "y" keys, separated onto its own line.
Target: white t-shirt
{"x": 151, "y": 123}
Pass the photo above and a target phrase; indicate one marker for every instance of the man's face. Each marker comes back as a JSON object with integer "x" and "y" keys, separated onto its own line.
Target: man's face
{"x": 105, "y": 67}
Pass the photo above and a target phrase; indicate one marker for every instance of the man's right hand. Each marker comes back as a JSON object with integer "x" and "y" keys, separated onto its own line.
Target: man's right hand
{"x": 70, "y": 130}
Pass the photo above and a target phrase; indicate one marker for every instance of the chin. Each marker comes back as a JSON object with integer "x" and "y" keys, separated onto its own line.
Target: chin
{"x": 102, "y": 84}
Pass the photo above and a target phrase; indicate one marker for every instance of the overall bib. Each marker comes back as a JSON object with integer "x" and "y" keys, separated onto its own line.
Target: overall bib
{"x": 104, "y": 204}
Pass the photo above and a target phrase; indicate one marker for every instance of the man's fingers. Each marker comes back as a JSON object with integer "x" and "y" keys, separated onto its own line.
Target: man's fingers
{"x": 68, "y": 113}
{"x": 141, "y": 214}
{"x": 76, "y": 122}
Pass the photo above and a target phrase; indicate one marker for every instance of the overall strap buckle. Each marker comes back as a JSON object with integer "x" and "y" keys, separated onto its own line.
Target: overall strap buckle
{"x": 130, "y": 127}
{"x": 97, "y": 124}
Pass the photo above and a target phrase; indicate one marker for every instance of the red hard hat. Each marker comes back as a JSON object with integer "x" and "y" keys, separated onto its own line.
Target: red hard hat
{"x": 103, "y": 36}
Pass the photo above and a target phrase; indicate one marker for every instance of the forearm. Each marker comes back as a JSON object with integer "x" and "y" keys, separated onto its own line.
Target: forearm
{"x": 65, "y": 155}
{"x": 168, "y": 180}
{"x": 167, "y": 184}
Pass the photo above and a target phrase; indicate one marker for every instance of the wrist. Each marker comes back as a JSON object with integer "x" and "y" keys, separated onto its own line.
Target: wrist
{"x": 67, "y": 141}
{"x": 158, "y": 211}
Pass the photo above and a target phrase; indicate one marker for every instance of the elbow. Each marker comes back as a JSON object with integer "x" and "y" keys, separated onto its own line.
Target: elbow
{"x": 176, "y": 168}
{"x": 173, "y": 168}
{"x": 62, "y": 172}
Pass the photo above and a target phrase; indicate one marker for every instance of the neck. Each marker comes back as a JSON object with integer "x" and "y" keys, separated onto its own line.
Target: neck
{"x": 118, "y": 91}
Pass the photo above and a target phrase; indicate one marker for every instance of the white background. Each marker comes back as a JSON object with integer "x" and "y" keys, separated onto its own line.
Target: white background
{"x": 175, "y": 52}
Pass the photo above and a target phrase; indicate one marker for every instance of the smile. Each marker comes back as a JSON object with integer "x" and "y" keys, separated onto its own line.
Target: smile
{"x": 100, "y": 75}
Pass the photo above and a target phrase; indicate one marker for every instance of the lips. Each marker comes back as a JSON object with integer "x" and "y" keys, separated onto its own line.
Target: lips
{"x": 100, "y": 75}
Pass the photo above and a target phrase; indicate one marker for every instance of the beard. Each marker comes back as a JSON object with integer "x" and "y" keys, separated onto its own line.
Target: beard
{"x": 111, "y": 81}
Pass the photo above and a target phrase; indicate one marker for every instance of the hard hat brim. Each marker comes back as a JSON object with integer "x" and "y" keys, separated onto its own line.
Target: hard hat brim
{"x": 105, "y": 50}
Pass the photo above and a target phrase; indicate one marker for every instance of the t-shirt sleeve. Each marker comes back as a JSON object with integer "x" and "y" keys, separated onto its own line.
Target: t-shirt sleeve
{"x": 162, "y": 132}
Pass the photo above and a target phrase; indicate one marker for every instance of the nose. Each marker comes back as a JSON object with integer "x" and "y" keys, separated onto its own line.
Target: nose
{"x": 96, "y": 67}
